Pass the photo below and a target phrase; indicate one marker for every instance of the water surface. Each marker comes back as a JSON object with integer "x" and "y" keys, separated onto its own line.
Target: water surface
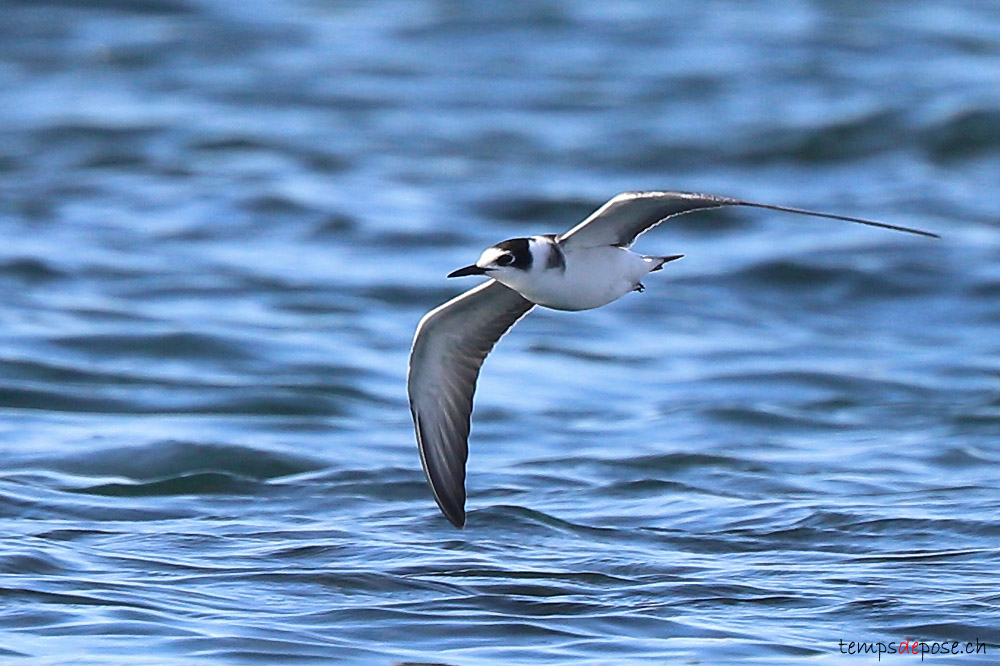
{"x": 222, "y": 222}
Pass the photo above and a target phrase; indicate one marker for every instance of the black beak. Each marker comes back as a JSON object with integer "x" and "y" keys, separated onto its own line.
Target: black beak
{"x": 468, "y": 270}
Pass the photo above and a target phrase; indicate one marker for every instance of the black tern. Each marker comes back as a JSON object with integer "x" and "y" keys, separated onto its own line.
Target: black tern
{"x": 587, "y": 267}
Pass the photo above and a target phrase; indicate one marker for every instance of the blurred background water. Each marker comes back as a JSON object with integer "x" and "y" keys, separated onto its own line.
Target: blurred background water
{"x": 221, "y": 222}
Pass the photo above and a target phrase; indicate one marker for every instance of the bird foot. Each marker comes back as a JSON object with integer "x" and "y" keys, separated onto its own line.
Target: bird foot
{"x": 639, "y": 288}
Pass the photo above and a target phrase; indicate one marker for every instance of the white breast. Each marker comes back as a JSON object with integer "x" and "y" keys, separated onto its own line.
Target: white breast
{"x": 591, "y": 277}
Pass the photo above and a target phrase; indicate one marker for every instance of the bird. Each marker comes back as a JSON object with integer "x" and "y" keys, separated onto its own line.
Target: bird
{"x": 586, "y": 267}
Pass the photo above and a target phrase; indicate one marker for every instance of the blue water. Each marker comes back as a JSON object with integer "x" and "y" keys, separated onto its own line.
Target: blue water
{"x": 222, "y": 221}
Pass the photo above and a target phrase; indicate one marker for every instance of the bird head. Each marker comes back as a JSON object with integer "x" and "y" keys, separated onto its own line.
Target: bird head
{"x": 502, "y": 259}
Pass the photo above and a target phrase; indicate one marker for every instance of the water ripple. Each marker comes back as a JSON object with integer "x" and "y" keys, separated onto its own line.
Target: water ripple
{"x": 222, "y": 222}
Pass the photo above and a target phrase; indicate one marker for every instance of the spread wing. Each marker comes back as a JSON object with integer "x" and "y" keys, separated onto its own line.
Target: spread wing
{"x": 449, "y": 347}
{"x": 621, "y": 220}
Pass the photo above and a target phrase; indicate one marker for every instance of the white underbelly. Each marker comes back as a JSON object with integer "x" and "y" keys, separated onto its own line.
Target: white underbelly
{"x": 592, "y": 277}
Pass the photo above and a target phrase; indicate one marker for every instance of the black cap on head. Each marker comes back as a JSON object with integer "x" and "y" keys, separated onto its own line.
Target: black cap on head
{"x": 520, "y": 249}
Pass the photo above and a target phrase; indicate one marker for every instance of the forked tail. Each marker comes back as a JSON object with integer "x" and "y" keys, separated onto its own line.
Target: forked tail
{"x": 659, "y": 261}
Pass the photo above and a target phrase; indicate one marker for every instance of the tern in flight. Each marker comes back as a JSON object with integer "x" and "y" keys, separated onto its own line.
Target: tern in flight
{"x": 586, "y": 267}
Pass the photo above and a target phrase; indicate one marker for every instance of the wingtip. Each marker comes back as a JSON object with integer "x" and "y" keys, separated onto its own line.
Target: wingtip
{"x": 451, "y": 501}
{"x": 449, "y": 493}
{"x": 452, "y": 508}
{"x": 456, "y": 518}
{"x": 845, "y": 218}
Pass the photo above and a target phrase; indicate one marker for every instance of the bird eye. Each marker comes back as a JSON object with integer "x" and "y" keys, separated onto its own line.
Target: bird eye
{"x": 505, "y": 260}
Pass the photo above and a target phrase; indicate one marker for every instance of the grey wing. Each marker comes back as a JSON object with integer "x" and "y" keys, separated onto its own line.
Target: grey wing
{"x": 449, "y": 347}
{"x": 621, "y": 220}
